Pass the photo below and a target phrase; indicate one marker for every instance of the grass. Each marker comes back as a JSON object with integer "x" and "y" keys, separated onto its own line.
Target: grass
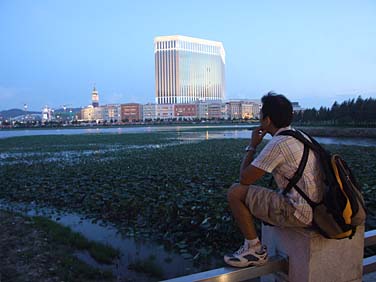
{"x": 33, "y": 249}
{"x": 75, "y": 270}
{"x": 64, "y": 235}
{"x": 147, "y": 266}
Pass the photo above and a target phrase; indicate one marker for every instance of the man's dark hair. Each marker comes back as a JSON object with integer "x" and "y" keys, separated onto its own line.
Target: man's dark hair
{"x": 278, "y": 108}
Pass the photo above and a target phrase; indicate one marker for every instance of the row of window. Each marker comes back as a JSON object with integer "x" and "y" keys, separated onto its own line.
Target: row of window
{"x": 186, "y": 45}
{"x": 199, "y": 76}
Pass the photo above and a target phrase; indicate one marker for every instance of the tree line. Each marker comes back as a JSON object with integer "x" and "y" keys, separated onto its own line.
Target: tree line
{"x": 359, "y": 112}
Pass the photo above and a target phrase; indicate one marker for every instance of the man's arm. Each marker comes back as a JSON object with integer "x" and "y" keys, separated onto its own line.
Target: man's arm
{"x": 249, "y": 173}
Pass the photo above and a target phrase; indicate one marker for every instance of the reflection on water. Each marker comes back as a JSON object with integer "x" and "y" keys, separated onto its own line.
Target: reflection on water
{"x": 131, "y": 250}
{"x": 113, "y": 130}
{"x": 183, "y": 133}
{"x": 246, "y": 134}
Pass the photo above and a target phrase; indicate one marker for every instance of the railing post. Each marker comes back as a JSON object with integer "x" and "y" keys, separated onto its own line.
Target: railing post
{"x": 313, "y": 258}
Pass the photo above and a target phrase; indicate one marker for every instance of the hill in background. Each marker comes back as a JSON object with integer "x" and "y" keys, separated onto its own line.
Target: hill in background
{"x": 6, "y": 114}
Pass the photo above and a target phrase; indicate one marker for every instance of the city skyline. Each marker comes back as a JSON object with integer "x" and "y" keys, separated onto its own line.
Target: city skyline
{"x": 52, "y": 53}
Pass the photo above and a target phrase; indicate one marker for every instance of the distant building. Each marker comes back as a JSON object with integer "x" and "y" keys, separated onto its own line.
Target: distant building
{"x": 131, "y": 112}
{"x": 164, "y": 111}
{"x": 112, "y": 113}
{"x": 91, "y": 114}
{"x": 149, "y": 112}
{"x": 243, "y": 109}
{"x": 188, "y": 70}
{"x": 87, "y": 113}
{"x": 185, "y": 111}
{"x": 234, "y": 109}
{"x": 296, "y": 107}
{"x": 94, "y": 98}
{"x": 215, "y": 110}
{"x": 99, "y": 114}
{"x": 47, "y": 114}
{"x": 203, "y": 110}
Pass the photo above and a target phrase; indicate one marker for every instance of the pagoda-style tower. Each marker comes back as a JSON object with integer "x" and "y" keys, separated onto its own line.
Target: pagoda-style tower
{"x": 95, "y": 98}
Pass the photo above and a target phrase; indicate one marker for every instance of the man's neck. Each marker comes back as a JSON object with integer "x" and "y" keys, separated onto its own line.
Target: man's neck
{"x": 273, "y": 130}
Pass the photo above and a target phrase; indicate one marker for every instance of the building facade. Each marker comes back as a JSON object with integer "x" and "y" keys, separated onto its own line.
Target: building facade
{"x": 164, "y": 111}
{"x": 188, "y": 70}
{"x": 112, "y": 113}
{"x": 148, "y": 112}
{"x": 185, "y": 111}
{"x": 131, "y": 112}
{"x": 94, "y": 98}
{"x": 91, "y": 114}
{"x": 234, "y": 109}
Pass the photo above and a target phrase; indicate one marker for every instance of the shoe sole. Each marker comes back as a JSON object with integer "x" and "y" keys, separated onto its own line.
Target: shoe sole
{"x": 247, "y": 264}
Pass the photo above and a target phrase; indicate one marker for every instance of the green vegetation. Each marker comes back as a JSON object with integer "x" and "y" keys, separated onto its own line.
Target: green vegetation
{"x": 173, "y": 194}
{"x": 75, "y": 270}
{"x": 64, "y": 235}
{"x": 147, "y": 266}
{"x": 34, "y": 249}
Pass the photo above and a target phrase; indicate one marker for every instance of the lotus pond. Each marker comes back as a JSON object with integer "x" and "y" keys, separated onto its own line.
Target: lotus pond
{"x": 149, "y": 185}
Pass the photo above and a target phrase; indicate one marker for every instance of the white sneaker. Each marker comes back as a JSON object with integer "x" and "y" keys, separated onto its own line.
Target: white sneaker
{"x": 250, "y": 256}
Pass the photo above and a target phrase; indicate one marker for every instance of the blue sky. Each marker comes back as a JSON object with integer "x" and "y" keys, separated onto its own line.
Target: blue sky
{"x": 314, "y": 52}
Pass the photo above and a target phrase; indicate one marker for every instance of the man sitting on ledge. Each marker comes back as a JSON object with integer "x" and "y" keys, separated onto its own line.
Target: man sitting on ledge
{"x": 281, "y": 157}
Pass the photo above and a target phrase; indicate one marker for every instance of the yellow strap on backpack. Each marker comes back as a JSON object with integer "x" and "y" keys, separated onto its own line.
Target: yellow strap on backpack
{"x": 347, "y": 212}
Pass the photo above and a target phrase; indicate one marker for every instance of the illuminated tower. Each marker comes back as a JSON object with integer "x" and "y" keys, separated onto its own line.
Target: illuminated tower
{"x": 188, "y": 69}
{"x": 95, "y": 98}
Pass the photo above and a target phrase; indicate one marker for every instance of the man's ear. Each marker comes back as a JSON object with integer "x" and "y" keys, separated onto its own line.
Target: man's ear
{"x": 267, "y": 121}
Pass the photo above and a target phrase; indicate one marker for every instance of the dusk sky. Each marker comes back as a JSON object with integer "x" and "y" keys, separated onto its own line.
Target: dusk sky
{"x": 314, "y": 52}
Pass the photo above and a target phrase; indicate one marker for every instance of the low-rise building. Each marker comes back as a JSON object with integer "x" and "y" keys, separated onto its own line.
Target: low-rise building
{"x": 164, "y": 111}
{"x": 185, "y": 111}
{"x": 215, "y": 110}
{"x": 112, "y": 113}
{"x": 296, "y": 107}
{"x": 234, "y": 109}
{"x": 202, "y": 110}
{"x": 131, "y": 112}
{"x": 149, "y": 112}
{"x": 91, "y": 114}
{"x": 247, "y": 110}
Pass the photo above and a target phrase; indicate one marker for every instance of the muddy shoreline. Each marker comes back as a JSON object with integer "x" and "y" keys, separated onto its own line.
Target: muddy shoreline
{"x": 29, "y": 253}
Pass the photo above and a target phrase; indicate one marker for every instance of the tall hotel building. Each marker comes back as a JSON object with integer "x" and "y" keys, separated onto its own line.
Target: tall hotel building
{"x": 188, "y": 70}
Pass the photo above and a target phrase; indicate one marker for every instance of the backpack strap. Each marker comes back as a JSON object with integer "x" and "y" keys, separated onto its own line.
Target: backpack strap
{"x": 299, "y": 172}
{"x": 298, "y": 134}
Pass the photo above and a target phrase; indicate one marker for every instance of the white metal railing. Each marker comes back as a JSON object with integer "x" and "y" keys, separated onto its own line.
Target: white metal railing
{"x": 369, "y": 264}
{"x": 275, "y": 264}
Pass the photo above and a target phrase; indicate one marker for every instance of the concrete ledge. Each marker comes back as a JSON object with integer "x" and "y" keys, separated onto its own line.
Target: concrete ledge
{"x": 313, "y": 258}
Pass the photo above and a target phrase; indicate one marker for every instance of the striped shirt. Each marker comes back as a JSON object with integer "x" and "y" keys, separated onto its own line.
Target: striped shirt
{"x": 281, "y": 157}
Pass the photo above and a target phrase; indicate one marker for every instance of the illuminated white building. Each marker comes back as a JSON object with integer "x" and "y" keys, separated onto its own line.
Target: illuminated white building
{"x": 188, "y": 70}
{"x": 149, "y": 112}
{"x": 47, "y": 114}
{"x": 95, "y": 98}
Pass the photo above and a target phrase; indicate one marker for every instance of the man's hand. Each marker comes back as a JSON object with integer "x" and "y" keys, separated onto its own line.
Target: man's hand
{"x": 257, "y": 135}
